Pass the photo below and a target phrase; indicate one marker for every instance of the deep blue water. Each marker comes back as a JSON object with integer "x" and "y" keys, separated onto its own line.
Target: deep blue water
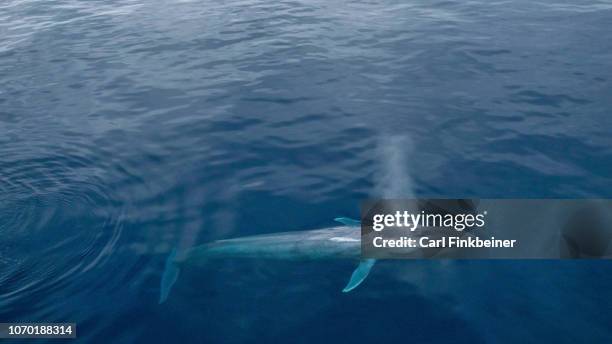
{"x": 128, "y": 128}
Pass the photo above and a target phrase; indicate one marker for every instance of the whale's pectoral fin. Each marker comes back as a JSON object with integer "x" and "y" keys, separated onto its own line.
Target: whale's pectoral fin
{"x": 170, "y": 275}
{"x": 359, "y": 274}
{"x": 347, "y": 221}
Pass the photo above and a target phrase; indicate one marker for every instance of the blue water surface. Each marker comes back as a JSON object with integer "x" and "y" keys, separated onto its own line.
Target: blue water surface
{"x": 131, "y": 127}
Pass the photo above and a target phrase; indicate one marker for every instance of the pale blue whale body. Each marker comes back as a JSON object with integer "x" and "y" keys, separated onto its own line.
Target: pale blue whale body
{"x": 340, "y": 242}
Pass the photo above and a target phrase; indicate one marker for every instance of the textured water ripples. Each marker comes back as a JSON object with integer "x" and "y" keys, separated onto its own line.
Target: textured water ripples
{"x": 131, "y": 127}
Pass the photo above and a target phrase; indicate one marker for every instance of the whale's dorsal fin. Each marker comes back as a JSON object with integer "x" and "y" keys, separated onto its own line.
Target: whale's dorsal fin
{"x": 347, "y": 221}
{"x": 359, "y": 274}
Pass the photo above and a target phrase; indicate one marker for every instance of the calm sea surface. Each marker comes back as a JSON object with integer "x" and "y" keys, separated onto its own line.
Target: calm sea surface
{"x": 128, "y": 128}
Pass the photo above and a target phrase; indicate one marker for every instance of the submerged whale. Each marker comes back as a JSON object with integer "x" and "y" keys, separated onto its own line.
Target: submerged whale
{"x": 340, "y": 242}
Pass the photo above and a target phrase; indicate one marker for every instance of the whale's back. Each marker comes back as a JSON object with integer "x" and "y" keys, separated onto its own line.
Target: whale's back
{"x": 329, "y": 243}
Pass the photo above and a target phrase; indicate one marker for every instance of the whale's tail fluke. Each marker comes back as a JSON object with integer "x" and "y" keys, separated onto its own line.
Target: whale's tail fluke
{"x": 169, "y": 277}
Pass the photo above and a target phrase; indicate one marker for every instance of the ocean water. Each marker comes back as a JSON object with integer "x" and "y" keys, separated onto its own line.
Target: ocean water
{"x": 129, "y": 128}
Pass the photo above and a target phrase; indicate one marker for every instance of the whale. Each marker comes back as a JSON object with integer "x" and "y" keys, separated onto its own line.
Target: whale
{"x": 338, "y": 242}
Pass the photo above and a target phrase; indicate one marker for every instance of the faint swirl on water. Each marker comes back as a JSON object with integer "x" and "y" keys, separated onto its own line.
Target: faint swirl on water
{"x": 57, "y": 222}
